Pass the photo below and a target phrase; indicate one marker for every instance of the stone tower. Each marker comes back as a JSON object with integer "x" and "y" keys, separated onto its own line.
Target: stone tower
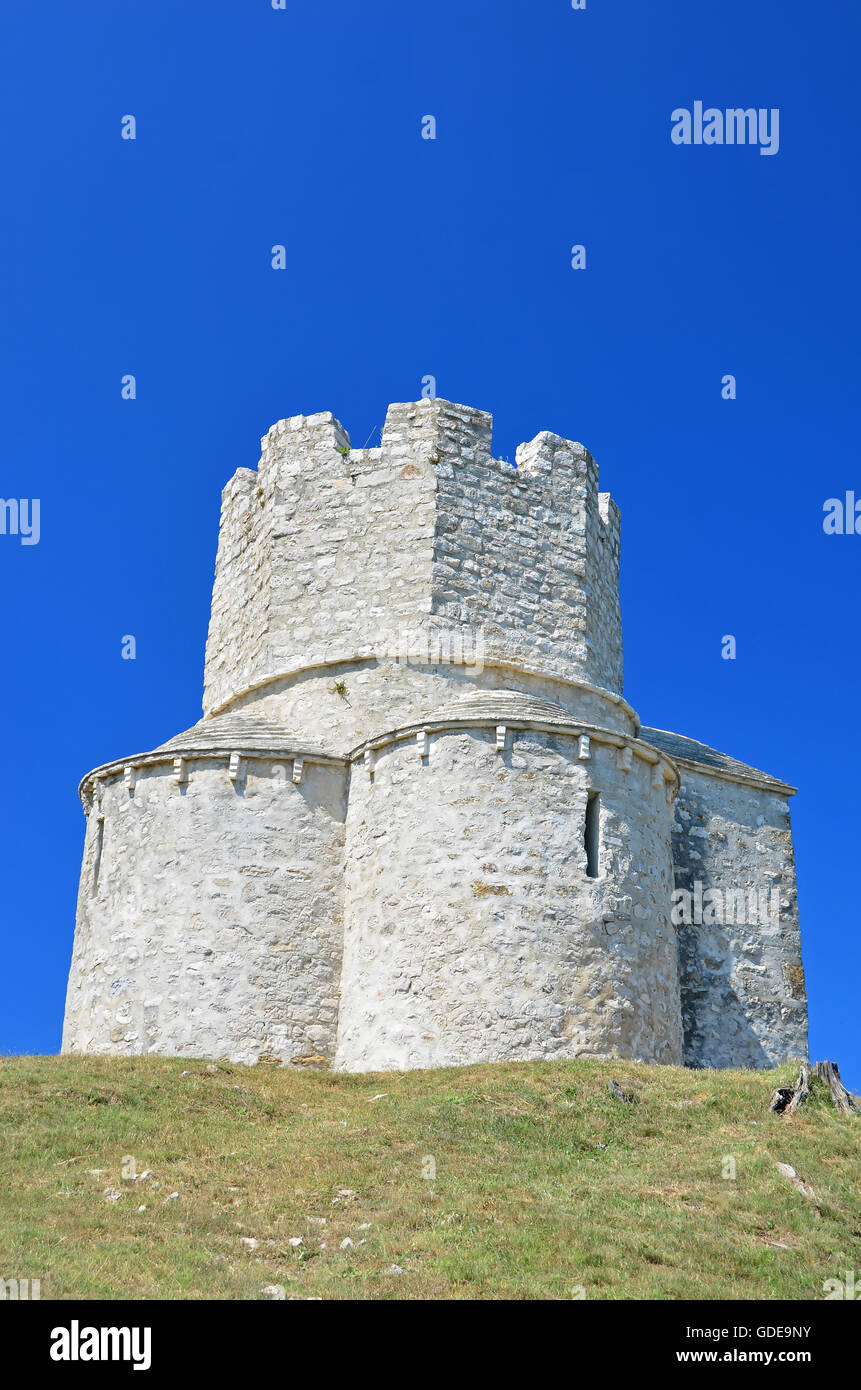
{"x": 418, "y": 824}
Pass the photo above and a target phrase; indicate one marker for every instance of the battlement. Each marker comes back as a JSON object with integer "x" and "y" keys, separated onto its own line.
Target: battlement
{"x": 425, "y": 433}
{"x": 326, "y": 548}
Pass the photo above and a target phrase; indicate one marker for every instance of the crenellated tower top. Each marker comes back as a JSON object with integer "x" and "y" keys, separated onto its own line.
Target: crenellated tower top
{"x": 326, "y": 551}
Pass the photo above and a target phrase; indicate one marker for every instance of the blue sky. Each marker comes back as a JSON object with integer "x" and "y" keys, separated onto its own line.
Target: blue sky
{"x": 451, "y": 257}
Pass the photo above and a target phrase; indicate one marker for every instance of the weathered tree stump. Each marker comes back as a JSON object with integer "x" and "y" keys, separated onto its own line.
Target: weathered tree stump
{"x": 829, "y": 1072}
{"x": 780, "y": 1099}
{"x": 787, "y": 1099}
{"x": 802, "y": 1090}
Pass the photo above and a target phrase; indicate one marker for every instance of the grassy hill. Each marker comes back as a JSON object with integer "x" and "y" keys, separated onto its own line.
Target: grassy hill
{"x": 544, "y": 1182}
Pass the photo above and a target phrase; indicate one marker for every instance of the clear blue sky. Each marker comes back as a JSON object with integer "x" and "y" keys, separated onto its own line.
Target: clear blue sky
{"x": 452, "y": 257}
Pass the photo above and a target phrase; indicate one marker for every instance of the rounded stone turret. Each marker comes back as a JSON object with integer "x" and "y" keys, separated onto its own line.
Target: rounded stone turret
{"x": 480, "y": 923}
{"x": 209, "y": 911}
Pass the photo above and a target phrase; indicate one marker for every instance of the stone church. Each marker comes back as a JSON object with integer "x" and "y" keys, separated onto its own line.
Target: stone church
{"x": 419, "y": 824}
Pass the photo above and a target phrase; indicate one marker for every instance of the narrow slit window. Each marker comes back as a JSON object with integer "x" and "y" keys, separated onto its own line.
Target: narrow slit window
{"x": 97, "y": 857}
{"x": 592, "y": 833}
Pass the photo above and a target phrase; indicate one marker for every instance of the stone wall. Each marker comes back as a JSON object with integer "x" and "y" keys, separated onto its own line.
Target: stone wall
{"x": 327, "y": 551}
{"x": 472, "y": 932}
{"x": 743, "y": 995}
{"x": 603, "y": 611}
{"x": 348, "y": 542}
{"x": 212, "y": 923}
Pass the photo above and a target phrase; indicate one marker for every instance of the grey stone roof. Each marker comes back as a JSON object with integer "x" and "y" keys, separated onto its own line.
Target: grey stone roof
{"x": 499, "y": 705}
{"x": 240, "y": 730}
{"x": 690, "y": 750}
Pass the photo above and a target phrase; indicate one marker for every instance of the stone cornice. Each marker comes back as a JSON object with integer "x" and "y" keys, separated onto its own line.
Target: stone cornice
{"x": 292, "y": 750}
{"x": 763, "y": 783}
{"x": 567, "y": 728}
{"x": 285, "y": 753}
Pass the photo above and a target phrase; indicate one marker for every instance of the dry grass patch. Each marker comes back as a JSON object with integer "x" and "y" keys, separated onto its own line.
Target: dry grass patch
{"x": 503, "y": 1181}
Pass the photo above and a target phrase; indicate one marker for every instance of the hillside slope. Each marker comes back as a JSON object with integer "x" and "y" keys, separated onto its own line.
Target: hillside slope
{"x": 544, "y": 1183}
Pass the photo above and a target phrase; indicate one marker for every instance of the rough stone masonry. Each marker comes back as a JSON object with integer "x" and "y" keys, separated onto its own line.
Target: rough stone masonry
{"x": 418, "y": 824}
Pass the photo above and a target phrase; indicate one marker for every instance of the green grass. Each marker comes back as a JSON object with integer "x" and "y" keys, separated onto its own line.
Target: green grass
{"x": 544, "y": 1182}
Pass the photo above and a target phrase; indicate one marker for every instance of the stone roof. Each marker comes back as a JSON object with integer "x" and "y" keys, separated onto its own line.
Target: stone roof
{"x": 690, "y": 750}
{"x": 501, "y": 705}
{"x": 240, "y": 730}
{"x": 231, "y": 732}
